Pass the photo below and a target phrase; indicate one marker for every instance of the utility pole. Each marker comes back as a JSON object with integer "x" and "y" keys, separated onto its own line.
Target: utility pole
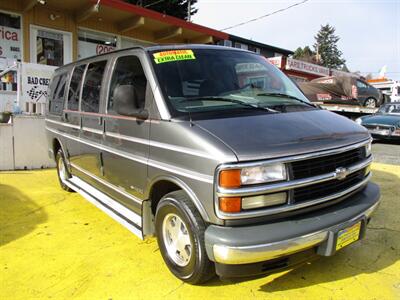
{"x": 189, "y": 10}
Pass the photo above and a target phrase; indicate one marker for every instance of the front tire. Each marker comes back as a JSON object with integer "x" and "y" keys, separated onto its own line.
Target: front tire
{"x": 62, "y": 170}
{"x": 180, "y": 235}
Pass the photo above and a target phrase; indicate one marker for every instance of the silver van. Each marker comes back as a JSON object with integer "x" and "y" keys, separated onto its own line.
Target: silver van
{"x": 215, "y": 152}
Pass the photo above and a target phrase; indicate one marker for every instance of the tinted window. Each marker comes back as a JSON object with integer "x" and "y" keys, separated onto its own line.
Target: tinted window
{"x": 361, "y": 84}
{"x": 128, "y": 71}
{"x": 75, "y": 88}
{"x": 92, "y": 86}
{"x": 56, "y": 98}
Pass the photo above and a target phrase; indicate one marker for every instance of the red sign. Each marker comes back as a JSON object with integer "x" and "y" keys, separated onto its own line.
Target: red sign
{"x": 101, "y": 49}
{"x": 276, "y": 61}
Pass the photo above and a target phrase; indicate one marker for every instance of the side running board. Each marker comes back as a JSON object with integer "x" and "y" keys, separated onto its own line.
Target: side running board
{"x": 121, "y": 214}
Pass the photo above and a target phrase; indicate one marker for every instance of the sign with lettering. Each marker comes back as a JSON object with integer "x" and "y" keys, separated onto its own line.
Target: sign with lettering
{"x": 86, "y": 49}
{"x": 302, "y": 66}
{"x": 35, "y": 82}
{"x": 10, "y": 43}
{"x": 276, "y": 61}
{"x": 173, "y": 55}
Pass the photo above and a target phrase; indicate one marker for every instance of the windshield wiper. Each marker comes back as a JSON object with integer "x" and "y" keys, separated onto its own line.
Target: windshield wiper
{"x": 222, "y": 99}
{"x": 287, "y": 96}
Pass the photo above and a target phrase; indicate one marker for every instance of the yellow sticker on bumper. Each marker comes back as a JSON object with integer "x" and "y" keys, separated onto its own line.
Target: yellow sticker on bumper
{"x": 173, "y": 55}
{"x": 348, "y": 235}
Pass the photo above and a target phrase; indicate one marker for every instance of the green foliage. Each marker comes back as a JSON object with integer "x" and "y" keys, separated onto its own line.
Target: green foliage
{"x": 305, "y": 54}
{"x": 176, "y": 8}
{"x": 326, "y": 46}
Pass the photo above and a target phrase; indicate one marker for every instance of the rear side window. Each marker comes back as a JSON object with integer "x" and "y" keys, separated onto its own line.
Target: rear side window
{"x": 128, "y": 71}
{"x": 75, "y": 88}
{"x": 92, "y": 86}
{"x": 56, "y": 99}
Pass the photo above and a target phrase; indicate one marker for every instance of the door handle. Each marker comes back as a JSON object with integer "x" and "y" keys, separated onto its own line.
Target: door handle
{"x": 65, "y": 116}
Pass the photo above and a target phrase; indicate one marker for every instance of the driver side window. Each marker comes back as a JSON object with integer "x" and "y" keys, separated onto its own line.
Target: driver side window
{"x": 127, "y": 71}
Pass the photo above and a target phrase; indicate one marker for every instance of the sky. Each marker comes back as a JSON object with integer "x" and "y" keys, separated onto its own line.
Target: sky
{"x": 369, "y": 30}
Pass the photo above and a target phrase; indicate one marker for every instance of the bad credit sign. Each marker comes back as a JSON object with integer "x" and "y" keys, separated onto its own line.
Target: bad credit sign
{"x": 35, "y": 82}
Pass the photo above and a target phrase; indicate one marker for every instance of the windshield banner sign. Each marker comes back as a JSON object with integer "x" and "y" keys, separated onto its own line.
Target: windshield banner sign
{"x": 173, "y": 55}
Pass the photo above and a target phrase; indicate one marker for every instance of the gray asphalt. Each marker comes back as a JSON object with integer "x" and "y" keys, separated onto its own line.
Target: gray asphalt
{"x": 386, "y": 153}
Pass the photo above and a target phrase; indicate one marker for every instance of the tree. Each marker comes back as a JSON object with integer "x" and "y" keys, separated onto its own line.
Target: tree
{"x": 305, "y": 54}
{"x": 345, "y": 68}
{"x": 176, "y": 8}
{"x": 326, "y": 48}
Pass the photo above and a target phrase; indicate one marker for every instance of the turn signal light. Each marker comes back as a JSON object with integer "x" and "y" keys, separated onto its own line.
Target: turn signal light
{"x": 230, "y": 204}
{"x": 229, "y": 178}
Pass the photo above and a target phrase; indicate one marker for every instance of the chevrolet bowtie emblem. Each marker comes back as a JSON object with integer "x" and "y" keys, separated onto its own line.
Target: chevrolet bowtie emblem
{"x": 341, "y": 173}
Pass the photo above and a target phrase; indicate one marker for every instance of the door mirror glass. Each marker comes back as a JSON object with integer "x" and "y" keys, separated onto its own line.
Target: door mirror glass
{"x": 127, "y": 101}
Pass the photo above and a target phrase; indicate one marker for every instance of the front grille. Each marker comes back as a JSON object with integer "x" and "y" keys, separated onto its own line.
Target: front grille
{"x": 326, "y": 164}
{"x": 380, "y": 126}
{"x": 323, "y": 189}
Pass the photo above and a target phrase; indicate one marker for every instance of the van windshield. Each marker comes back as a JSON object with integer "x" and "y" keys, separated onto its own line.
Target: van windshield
{"x": 210, "y": 80}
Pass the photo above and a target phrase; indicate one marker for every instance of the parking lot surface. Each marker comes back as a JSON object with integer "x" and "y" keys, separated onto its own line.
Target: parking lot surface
{"x": 56, "y": 245}
{"x": 386, "y": 152}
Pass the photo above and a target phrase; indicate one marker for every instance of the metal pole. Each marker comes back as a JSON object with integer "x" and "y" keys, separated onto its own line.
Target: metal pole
{"x": 189, "y": 10}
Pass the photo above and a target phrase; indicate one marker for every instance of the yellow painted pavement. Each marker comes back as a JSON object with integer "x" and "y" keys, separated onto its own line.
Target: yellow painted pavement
{"x": 56, "y": 245}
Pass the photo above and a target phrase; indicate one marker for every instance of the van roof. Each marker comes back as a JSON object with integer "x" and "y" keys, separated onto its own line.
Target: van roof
{"x": 158, "y": 47}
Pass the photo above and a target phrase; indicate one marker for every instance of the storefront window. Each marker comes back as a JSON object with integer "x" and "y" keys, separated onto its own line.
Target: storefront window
{"x": 10, "y": 49}
{"x": 49, "y": 48}
{"x": 93, "y": 43}
{"x": 8, "y": 82}
{"x": 128, "y": 43}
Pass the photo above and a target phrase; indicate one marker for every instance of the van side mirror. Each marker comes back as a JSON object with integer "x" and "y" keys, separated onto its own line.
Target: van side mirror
{"x": 127, "y": 102}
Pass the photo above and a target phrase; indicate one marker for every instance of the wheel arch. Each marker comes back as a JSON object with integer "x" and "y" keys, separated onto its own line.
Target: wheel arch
{"x": 162, "y": 185}
{"x": 57, "y": 144}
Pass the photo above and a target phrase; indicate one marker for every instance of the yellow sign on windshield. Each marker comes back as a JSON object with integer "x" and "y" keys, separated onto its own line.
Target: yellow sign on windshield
{"x": 173, "y": 55}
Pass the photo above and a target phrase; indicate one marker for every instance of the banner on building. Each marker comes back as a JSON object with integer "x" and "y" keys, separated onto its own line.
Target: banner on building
{"x": 10, "y": 43}
{"x": 276, "y": 61}
{"x": 302, "y": 66}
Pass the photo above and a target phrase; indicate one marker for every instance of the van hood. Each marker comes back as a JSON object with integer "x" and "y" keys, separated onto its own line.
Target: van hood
{"x": 283, "y": 134}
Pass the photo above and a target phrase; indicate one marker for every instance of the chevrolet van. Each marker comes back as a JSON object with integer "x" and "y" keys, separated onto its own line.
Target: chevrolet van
{"x": 214, "y": 151}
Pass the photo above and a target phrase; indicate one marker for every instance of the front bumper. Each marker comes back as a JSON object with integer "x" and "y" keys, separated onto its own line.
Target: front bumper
{"x": 385, "y": 137}
{"x": 265, "y": 242}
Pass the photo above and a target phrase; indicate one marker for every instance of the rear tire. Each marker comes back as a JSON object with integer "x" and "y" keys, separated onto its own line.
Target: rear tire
{"x": 180, "y": 235}
{"x": 371, "y": 103}
{"x": 62, "y": 170}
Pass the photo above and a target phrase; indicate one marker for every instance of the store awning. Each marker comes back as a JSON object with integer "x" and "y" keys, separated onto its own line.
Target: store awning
{"x": 131, "y": 20}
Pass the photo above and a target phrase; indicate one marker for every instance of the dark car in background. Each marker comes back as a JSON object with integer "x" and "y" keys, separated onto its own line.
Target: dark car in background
{"x": 342, "y": 90}
{"x": 385, "y": 124}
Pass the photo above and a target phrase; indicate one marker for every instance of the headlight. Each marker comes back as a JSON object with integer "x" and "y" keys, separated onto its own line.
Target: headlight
{"x": 396, "y": 132}
{"x": 358, "y": 121}
{"x": 262, "y": 174}
{"x": 234, "y": 178}
{"x": 368, "y": 149}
